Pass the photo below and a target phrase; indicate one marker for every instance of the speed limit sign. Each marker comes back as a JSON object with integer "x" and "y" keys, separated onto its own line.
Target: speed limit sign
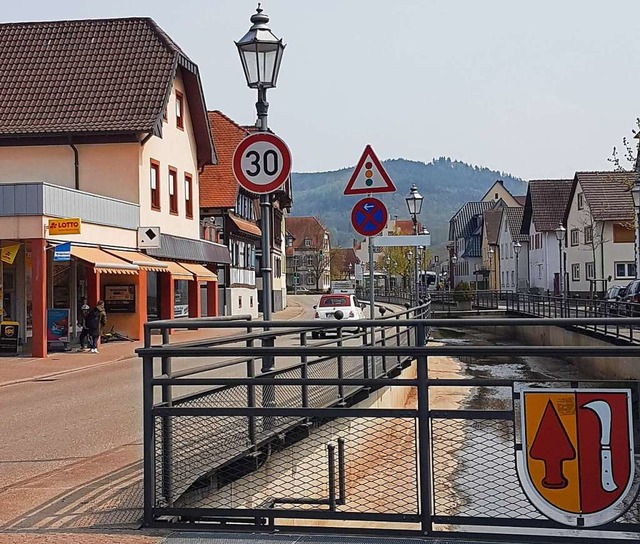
{"x": 261, "y": 162}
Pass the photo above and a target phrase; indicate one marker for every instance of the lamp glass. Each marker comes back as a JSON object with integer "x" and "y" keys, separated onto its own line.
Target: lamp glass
{"x": 516, "y": 247}
{"x": 560, "y": 232}
{"x": 414, "y": 201}
{"x": 635, "y": 193}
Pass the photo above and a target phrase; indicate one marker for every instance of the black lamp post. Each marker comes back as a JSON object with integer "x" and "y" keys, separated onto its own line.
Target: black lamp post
{"x": 516, "y": 249}
{"x": 491, "y": 254}
{"x": 261, "y": 54}
{"x": 414, "y": 205}
{"x": 560, "y": 234}
{"x": 635, "y": 193}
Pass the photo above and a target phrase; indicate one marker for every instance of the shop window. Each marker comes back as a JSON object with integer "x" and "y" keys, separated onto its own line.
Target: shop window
{"x": 181, "y": 298}
{"x": 154, "y": 181}
{"x": 179, "y": 110}
{"x": 173, "y": 191}
{"x": 188, "y": 195}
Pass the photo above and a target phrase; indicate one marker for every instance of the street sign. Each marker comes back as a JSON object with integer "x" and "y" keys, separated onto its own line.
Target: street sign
{"x": 149, "y": 237}
{"x": 62, "y": 252}
{"x": 407, "y": 240}
{"x": 261, "y": 162}
{"x": 369, "y": 176}
{"x": 369, "y": 217}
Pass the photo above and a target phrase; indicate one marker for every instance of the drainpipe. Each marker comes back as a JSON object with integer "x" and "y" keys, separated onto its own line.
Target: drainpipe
{"x": 76, "y": 166}
{"x": 604, "y": 285}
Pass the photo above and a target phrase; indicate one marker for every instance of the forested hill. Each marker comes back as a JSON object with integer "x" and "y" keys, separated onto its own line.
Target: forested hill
{"x": 445, "y": 185}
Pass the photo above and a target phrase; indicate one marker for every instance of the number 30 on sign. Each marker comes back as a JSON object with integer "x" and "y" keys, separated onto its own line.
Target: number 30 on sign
{"x": 261, "y": 163}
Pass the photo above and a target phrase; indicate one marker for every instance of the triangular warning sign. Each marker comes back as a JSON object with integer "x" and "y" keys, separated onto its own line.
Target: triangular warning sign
{"x": 369, "y": 176}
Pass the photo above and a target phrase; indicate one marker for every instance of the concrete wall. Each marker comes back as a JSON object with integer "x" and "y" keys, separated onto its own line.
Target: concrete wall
{"x": 625, "y": 368}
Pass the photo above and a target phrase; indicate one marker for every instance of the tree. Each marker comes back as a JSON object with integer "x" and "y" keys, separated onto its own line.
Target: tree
{"x": 338, "y": 264}
{"x": 629, "y": 155}
{"x": 318, "y": 263}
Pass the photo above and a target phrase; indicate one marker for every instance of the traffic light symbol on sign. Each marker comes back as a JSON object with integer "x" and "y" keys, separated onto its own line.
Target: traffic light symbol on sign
{"x": 369, "y": 176}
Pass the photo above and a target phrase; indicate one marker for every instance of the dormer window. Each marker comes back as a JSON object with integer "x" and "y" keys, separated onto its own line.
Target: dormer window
{"x": 179, "y": 110}
{"x": 307, "y": 242}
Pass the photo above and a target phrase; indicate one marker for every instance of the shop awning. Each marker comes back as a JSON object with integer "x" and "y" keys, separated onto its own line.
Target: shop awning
{"x": 245, "y": 226}
{"x": 200, "y": 271}
{"x": 102, "y": 261}
{"x": 140, "y": 259}
{"x": 188, "y": 249}
{"x": 177, "y": 272}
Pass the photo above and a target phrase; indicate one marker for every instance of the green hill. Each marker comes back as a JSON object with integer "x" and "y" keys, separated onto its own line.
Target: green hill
{"x": 445, "y": 185}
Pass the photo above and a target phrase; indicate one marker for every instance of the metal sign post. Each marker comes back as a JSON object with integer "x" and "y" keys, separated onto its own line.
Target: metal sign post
{"x": 372, "y": 309}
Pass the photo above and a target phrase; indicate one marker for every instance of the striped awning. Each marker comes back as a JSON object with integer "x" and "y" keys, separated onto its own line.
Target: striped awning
{"x": 177, "y": 272}
{"x": 102, "y": 261}
{"x": 145, "y": 262}
{"x": 202, "y": 273}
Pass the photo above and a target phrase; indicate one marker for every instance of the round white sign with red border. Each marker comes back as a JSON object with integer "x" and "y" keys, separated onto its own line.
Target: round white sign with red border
{"x": 261, "y": 162}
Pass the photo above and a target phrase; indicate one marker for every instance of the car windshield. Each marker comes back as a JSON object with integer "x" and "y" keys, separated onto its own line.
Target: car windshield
{"x": 334, "y": 300}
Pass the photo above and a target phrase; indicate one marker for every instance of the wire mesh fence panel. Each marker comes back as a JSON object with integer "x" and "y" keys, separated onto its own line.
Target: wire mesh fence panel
{"x": 474, "y": 470}
{"x": 377, "y": 473}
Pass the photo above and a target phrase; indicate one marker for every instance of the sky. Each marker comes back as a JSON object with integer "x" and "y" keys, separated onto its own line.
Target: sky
{"x": 538, "y": 89}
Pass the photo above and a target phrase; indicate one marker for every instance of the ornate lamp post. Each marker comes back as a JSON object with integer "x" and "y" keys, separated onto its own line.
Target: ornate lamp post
{"x": 261, "y": 54}
{"x": 560, "y": 234}
{"x": 294, "y": 262}
{"x": 635, "y": 193}
{"x": 516, "y": 249}
{"x": 414, "y": 205}
{"x": 452, "y": 272}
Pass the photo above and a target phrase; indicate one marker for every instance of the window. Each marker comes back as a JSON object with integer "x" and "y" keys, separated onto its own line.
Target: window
{"x": 496, "y": 196}
{"x": 309, "y": 260}
{"x": 590, "y": 270}
{"x": 510, "y": 252}
{"x": 512, "y": 279}
{"x": 310, "y": 280}
{"x": 575, "y": 272}
{"x": 575, "y": 237}
{"x": 154, "y": 181}
{"x": 173, "y": 191}
{"x": 625, "y": 270}
{"x": 588, "y": 235}
{"x": 580, "y": 201}
{"x": 307, "y": 242}
{"x": 188, "y": 195}
{"x": 622, "y": 234}
{"x": 179, "y": 110}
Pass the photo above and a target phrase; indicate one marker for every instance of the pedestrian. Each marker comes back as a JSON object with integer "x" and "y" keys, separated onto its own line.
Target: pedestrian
{"x": 85, "y": 338}
{"x": 96, "y": 320}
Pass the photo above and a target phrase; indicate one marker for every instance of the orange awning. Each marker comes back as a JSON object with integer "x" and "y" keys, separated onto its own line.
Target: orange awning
{"x": 177, "y": 272}
{"x": 202, "y": 273}
{"x": 245, "y": 226}
{"x": 145, "y": 262}
{"x": 102, "y": 261}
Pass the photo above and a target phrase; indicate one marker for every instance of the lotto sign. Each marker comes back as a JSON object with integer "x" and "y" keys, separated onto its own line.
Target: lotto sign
{"x": 369, "y": 217}
{"x": 369, "y": 176}
{"x": 65, "y": 226}
{"x": 576, "y": 461}
{"x": 261, "y": 163}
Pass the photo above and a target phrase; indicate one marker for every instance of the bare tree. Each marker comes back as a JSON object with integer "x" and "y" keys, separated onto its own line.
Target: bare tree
{"x": 628, "y": 160}
{"x": 318, "y": 262}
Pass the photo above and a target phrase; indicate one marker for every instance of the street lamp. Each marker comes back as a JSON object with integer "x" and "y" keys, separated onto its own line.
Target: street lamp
{"x": 516, "y": 249}
{"x": 294, "y": 260}
{"x": 635, "y": 193}
{"x": 261, "y": 53}
{"x": 414, "y": 205}
{"x": 560, "y": 234}
{"x": 452, "y": 272}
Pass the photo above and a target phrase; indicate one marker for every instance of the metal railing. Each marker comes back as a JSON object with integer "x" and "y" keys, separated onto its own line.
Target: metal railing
{"x": 345, "y": 433}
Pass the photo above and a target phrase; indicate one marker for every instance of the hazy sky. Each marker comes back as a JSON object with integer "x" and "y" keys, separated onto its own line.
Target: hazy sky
{"x": 538, "y": 89}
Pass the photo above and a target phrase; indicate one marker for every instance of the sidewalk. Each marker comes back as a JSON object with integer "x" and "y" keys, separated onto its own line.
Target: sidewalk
{"x": 25, "y": 368}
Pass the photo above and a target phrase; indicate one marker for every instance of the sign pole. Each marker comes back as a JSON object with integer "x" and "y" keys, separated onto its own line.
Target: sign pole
{"x": 372, "y": 308}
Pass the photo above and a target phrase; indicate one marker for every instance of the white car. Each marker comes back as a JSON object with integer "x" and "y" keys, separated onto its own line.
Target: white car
{"x": 337, "y": 307}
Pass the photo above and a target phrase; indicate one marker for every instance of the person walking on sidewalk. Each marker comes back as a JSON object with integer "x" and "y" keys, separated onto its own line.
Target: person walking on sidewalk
{"x": 86, "y": 341}
{"x": 96, "y": 320}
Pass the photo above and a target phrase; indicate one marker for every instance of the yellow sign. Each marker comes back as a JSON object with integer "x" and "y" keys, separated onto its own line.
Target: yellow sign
{"x": 8, "y": 254}
{"x": 72, "y": 225}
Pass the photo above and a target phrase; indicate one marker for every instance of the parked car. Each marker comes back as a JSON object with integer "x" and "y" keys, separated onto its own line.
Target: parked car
{"x": 631, "y": 298}
{"x": 614, "y": 293}
{"x": 341, "y": 307}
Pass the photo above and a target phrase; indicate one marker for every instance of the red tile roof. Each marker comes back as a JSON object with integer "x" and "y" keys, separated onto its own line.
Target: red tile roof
{"x": 94, "y": 77}
{"x": 607, "y": 194}
{"x": 405, "y": 226}
{"x": 306, "y": 227}
{"x": 546, "y": 203}
{"x": 218, "y": 185}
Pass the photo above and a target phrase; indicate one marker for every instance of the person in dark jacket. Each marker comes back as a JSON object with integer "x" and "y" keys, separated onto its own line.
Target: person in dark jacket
{"x": 86, "y": 342}
{"x": 96, "y": 320}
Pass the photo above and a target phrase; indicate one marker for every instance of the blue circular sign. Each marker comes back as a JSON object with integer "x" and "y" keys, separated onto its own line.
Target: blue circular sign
{"x": 369, "y": 217}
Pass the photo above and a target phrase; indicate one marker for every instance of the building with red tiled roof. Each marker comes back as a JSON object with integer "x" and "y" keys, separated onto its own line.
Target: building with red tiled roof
{"x": 600, "y": 235}
{"x": 107, "y": 120}
{"x": 308, "y": 254}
